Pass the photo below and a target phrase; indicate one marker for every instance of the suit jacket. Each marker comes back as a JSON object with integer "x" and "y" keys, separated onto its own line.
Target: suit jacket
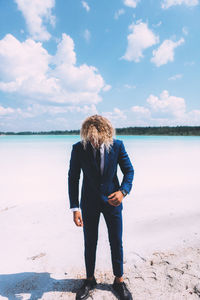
{"x": 96, "y": 187}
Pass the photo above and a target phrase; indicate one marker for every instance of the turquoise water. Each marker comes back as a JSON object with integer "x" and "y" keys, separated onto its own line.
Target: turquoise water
{"x": 74, "y": 138}
{"x": 142, "y": 144}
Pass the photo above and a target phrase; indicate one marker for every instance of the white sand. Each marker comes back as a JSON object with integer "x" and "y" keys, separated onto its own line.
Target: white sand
{"x": 42, "y": 251}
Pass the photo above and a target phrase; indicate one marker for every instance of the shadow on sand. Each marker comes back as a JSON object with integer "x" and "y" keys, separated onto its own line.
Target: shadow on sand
{"x": 13, "y": 286}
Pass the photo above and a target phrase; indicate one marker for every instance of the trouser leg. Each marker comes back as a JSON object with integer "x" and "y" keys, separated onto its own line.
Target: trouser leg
{"x": 90, "y": 229}
{"x": 114, "y": 224}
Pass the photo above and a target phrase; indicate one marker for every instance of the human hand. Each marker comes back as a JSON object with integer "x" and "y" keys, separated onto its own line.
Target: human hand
{"x": 78, "y": 218}
{"x": 115, "y": 198}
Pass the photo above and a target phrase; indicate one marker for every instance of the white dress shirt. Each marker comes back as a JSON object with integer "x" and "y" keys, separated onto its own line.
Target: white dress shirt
{"x": 102, "y": 148}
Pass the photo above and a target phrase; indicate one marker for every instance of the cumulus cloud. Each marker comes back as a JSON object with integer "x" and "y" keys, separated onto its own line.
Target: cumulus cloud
{"x": 168, "y": 3}
{"x": 28, "y": 69}
{"x": 6, "y": 110}
{"x": 84, "y": 81}
{"x": 193, "y": 117}
{"x": 20, "y": 63}
{"x": 36, "y": 12}
{"x": 107, "y": 87}
{"x": 165, "y": 52}
{"x": 115, "y": 116}
{"x": 140, "y": 38}
{"x": 167, "y": 104}
{"x": 39, "y": 109}
{"x": 53, "y": 117}
{"x": 165, "y": 110}
{"x": 86, "y": 6}
{"x": 131, "y": 3}
{"x": 141, "y": 111}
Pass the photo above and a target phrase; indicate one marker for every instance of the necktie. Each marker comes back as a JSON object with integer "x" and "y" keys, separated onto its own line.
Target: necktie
{"x": 98, "y": 160}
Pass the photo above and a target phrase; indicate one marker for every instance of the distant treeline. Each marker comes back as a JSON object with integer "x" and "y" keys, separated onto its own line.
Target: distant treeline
{"x": 162, "y": 130}
{"x": 52, "y": 132}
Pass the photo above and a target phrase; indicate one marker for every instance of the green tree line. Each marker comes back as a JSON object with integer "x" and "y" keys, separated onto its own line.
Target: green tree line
{"x": 162, "y": 130}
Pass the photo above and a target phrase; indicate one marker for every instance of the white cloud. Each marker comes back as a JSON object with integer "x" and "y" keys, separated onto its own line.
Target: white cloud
{"x": 193, "y": 117}
{"x": 131, "y": 3}
{"x": 141, "y": 112}
{"x": 36, "y": 12}
{"x": 139, "y": 109}
{"x": 86, "y": 6}
{"x": 167, "y": 104}
{"x": 38, "y": 109}
{"x": 28, "y": 69}
{"x": 165, "y": 110}
{"x": 21, "y": 62}
{"x": 168, "y": 3}
{"x": 119, "y": 13}
{"x": 84, "y": 80}
{"x": 118, "y": 112}
{"x": 107, "y": 87}
{"x": 85, "y": 109}
{"x": 165, "y": 52}
{"x": 49, "y": 114}
{"x": 15, "y": 112}
{"x": 87, "y": 35}
{"x": 115, "y": 116}
{"x": 65, "y": 51}
{"x": 175, "y": 77}
{"x": 139, "y": 39}
{"x": 6, "y": 110}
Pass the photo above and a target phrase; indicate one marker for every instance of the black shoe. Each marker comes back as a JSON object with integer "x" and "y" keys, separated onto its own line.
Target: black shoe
{"x": 83, "y": 292}
{"x": 122, "y": 291}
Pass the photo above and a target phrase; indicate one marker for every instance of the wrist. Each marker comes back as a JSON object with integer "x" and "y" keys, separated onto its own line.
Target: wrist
{"x": 74, "y": 209}
{"x": 124, "y": 193}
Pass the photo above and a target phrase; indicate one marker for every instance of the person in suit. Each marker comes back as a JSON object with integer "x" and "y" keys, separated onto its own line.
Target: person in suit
{"x": 98, "y": 154}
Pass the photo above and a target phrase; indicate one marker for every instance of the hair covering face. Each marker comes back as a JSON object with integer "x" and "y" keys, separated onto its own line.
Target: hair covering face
{"x": 97, "y": 130}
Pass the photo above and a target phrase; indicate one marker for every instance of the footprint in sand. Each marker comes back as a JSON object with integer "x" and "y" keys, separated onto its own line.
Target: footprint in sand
{"x": 37, "y": 256}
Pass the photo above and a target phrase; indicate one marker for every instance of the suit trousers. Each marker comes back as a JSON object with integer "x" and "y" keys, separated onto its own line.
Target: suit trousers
{"x": 113, "y": 219}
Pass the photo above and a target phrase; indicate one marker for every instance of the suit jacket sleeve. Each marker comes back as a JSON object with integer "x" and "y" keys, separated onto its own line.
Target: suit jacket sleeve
{"x": 126, "y": 168}
{"x": 73, "y": 178}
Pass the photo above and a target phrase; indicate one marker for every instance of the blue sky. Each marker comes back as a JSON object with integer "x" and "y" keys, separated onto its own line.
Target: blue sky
{"x": 136, "y": 62}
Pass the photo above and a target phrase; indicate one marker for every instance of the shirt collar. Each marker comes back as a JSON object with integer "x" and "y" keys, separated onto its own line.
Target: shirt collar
{"x": 101, "y": 147}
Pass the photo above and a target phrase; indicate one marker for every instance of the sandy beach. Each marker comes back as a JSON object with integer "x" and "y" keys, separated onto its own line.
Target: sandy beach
{"x": 42, "y": 250}
{"x": 170, "y": 275}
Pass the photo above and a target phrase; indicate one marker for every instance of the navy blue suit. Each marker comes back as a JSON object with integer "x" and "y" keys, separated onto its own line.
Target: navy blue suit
{"x": 94, "y": 198}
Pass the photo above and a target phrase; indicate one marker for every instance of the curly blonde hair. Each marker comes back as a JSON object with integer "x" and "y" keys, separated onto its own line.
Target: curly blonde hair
{"x": 97, "y": 129}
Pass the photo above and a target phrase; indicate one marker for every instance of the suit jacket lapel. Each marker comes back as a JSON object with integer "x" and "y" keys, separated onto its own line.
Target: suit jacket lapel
{"x": 107, "y": 160}
{"x": 92, "y": 161}
{"x": 106, "y": 156}
{"x": 90, "y": 157}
